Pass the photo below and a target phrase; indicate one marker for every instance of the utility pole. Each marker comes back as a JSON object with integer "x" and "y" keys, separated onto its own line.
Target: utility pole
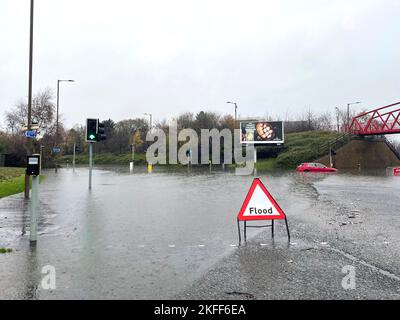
{"x": 29, "y": 144}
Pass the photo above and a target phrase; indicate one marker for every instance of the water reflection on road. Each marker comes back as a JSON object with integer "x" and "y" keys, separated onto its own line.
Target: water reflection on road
{"x": 148, "y": 235}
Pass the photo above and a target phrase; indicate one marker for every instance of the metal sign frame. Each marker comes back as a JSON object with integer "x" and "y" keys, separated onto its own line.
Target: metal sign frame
{"x": 240, "y": 217}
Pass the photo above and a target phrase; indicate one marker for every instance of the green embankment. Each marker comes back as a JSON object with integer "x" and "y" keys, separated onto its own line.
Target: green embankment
{"x": 12, "y": 181}
{"x": 298, "y": 148}
{"x": 304, "y": 147}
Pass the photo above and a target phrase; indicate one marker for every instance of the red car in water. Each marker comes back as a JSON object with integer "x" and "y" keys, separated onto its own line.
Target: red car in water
{"x": 314, "y": 167}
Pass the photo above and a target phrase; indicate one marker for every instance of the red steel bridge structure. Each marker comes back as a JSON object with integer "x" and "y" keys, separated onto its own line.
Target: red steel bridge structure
{"x": 380, "y": 121}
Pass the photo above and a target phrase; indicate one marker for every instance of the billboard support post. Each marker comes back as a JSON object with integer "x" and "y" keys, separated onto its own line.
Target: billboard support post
{"x": 255, "y": 160}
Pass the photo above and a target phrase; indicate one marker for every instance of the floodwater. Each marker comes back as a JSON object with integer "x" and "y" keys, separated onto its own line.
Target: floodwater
{"x": 147, "y": 236}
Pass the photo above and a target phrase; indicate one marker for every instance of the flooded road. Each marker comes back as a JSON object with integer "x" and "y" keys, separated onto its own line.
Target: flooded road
{"x": 150, "y": 236}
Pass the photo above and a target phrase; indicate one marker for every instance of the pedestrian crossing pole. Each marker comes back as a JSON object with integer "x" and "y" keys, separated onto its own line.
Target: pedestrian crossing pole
{"x": 34, "y": 205}
{"x": 33, "y": 169}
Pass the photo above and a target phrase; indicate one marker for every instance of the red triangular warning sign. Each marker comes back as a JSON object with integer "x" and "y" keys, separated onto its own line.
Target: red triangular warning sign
{"x": 260, "y": 205}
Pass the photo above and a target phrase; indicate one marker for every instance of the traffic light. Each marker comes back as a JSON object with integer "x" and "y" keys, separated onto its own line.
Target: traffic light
{"x": 101, "y": 135}
{"x": 95, "y": 130}
{"x": 92, "y": 126}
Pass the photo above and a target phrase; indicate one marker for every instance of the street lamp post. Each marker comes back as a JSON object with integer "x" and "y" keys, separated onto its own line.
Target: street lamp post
{"x": 29, "y": 143}
{"x": 337, "y": 119}
{"x": 236, "y": 107}
{"x": 58, "y": 108}
{"x": 151, "y": 119}
{"x": 348, "y": 113}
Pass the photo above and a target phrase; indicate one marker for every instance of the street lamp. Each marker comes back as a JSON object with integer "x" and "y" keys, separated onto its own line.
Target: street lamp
{"x": 151, "y": 119}
{"x": 58, "y": 104}
{"x": 29, "y": 144}
{"x": 348, "y": 113}
{"x": 58, "y": 101}
{"x": 235, "y": 109}
{"x": 337, "y": 118}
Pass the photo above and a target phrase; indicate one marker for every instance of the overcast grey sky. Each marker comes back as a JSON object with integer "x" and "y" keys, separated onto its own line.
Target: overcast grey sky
{"x": 167, "y": 57}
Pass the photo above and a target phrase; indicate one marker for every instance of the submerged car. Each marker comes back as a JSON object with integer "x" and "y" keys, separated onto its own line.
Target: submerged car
{"x": 314, "y": 167}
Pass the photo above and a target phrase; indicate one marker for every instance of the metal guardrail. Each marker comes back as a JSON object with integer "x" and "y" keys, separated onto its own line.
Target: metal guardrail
{"x": 333, "y": 144}
{"x": 391, "y": 147}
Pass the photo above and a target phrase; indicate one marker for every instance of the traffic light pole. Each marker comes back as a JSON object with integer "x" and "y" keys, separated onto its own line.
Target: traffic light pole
{"x": 90, "y": 164}
{"x": 95, "y": 132}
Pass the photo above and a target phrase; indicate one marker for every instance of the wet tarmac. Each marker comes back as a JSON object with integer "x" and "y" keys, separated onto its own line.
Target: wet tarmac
{"x": 174, "y": 235}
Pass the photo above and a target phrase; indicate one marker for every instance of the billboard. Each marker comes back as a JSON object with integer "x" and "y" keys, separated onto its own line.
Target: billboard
{"x": 262, "y": 132}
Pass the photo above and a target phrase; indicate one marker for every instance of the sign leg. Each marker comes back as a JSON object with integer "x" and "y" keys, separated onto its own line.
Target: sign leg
{"x": 238, "y": 224}
{"x": 272, "y": 229}
{"x": 287, "y": 229}
{"x": 245, "y": 232}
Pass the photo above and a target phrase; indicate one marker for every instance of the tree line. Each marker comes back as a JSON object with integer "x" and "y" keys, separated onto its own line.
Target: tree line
{"x": 121, "y": 135}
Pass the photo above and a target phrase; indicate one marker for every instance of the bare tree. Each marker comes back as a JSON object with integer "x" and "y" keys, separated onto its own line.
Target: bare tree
{"x": 185, "y": 120}
{"x": 308, "y": 119}
{"x": 43, "y": 112}
{"x": 323, "y": 122}
{"x": 227, "y": 122}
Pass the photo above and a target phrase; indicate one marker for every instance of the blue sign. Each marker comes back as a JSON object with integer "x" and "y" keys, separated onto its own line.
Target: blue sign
{"x": 56, "y": 150}
{"x": 30, "y": 134}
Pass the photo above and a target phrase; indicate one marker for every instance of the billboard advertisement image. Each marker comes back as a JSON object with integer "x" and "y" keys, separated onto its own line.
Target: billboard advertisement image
{"x": 261, "y": 132}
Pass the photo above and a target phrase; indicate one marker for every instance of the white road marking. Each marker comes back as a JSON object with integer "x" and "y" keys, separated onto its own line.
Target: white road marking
{"x": 364, "y": 263}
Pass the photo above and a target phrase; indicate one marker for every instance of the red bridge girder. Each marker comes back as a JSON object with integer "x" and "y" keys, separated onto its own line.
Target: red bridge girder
{"x": 384, "y": 120}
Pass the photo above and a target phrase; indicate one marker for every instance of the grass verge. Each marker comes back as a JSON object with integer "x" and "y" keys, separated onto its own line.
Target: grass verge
{"x": 12, "y": 181}
{"x": 5, "y": 250}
